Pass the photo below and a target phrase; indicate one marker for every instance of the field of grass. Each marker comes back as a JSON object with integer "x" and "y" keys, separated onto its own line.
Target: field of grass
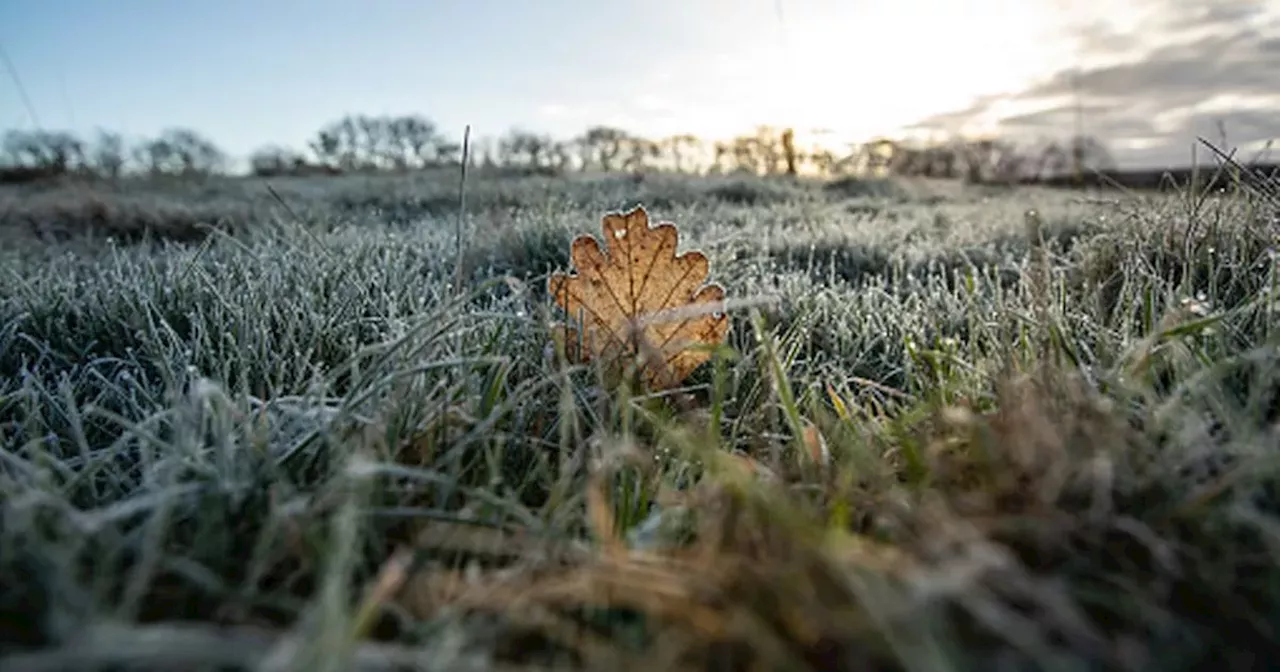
{"x": 241, "y": 430}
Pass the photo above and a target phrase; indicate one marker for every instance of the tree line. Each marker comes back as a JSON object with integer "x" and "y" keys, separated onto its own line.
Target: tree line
{"x": 363, "y": 144}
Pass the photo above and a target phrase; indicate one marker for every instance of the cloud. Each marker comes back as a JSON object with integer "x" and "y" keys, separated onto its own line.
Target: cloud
{"x": 648, "y": 102}
{"x": 553, "y": 110}
{"x": 1186, "y": 71}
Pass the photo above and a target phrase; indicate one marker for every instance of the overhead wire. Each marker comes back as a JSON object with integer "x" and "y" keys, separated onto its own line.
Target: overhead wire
{"x": 21, "y": 88}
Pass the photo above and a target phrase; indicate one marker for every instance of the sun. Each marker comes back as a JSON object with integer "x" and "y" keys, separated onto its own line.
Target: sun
{"x": 868, "y": 69}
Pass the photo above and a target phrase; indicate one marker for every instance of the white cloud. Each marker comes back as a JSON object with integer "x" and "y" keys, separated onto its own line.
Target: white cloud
{"x": 553, "y": 110}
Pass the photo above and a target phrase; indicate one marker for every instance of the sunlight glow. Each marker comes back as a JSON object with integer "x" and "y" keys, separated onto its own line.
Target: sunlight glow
{"x": 864, "y": 69}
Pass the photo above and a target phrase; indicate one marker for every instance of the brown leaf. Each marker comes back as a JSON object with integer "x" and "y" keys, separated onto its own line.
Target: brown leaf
{"x": 639, "y": 299}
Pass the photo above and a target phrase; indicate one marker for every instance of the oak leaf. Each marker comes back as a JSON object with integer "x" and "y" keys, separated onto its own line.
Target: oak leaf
{"x": 639, "y": 301}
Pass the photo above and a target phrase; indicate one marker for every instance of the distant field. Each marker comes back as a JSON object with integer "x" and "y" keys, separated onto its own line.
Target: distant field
{"x": 224, "y": 411}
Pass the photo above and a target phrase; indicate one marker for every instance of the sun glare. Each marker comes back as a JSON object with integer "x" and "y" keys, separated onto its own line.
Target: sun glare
{"x": 873, "y": 68}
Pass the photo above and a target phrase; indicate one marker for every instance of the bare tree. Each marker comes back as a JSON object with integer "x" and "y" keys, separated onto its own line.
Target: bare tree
{"x": 602, "y": 146}
{"x": 768, "y": 149}
{"x": 275, "y": 160}
{"x": 523, "y": 148}
{"x": 875, "y": 157}
{"x": 154, "y": 156}
{"x": 1010, "y": 164}
{"x": 679, "y": 147}
{"x": 343, "y": 145}
{"x": 180, "y": 151}
{"x": 1089, "y": 154}
{"x": 722, "y": 161}
{"x": 362, "y": 142}
{"x": 745, "y": 153}
{"x": 789, "y": 150}
{"x": 372, "y": 138}
{"x": 485, "y": 149}
{"x": 639, "y": 153}
{"x": 1052, "y": 160}
{"x": 327, "y": 148}
{"x": 197, "y": 154}
{"x": 446, "y": 151}
{"x": 824, "y": 161}
{"x": 394, "y": 145}
{"x": 561, "y": 154}
{"x": 107, "y": 156}
{"x": 419, "y": 138}
{"x": 51, "y": 152}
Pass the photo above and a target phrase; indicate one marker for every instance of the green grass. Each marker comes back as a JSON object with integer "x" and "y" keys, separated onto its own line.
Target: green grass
{"x": 290, "y": 441}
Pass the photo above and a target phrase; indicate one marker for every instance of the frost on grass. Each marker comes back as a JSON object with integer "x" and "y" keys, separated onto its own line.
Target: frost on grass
{"x": 1118, "y": 514}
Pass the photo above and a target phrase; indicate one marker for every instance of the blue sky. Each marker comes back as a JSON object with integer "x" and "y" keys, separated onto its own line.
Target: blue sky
{"x": 251, "y": 73}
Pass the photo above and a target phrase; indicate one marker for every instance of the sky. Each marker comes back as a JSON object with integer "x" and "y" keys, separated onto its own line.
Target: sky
{"x": 1148, "y": 75}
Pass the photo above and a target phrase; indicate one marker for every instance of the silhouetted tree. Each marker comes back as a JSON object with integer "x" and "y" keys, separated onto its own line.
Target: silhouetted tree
{"x": 485, "y": 150}
{"x": 679, "y": 147}
{"x": 372, "y": 140}
{"x": 106, "y": 158}
{"x": 561, "y": 155}
{"x": 337, "y": 146}
{"x": 275, "y": 160}
{"x": 873, "y": 157}
{"x": 363, "y": 142}
{"x": 601, "y": 147}
{"x": 824, "y": 161}
{"x": 789, "y": 150}
{"x": 1088, "y": 154}
{"x": 639, "y": 153}
{"x": 51, "y": 152}
{"x": 722, "y": 160}
{"x": 446, "y": 151}
{"x": 1053, "y": 160}
{"x": 419, "y": 138}
{"x": 182, "y": 152}
{"x": 1010, "y": 164}
{"x": 525, "y": 149}
{"x": 155, "y": 156}
{"x": 767, "y": 148}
